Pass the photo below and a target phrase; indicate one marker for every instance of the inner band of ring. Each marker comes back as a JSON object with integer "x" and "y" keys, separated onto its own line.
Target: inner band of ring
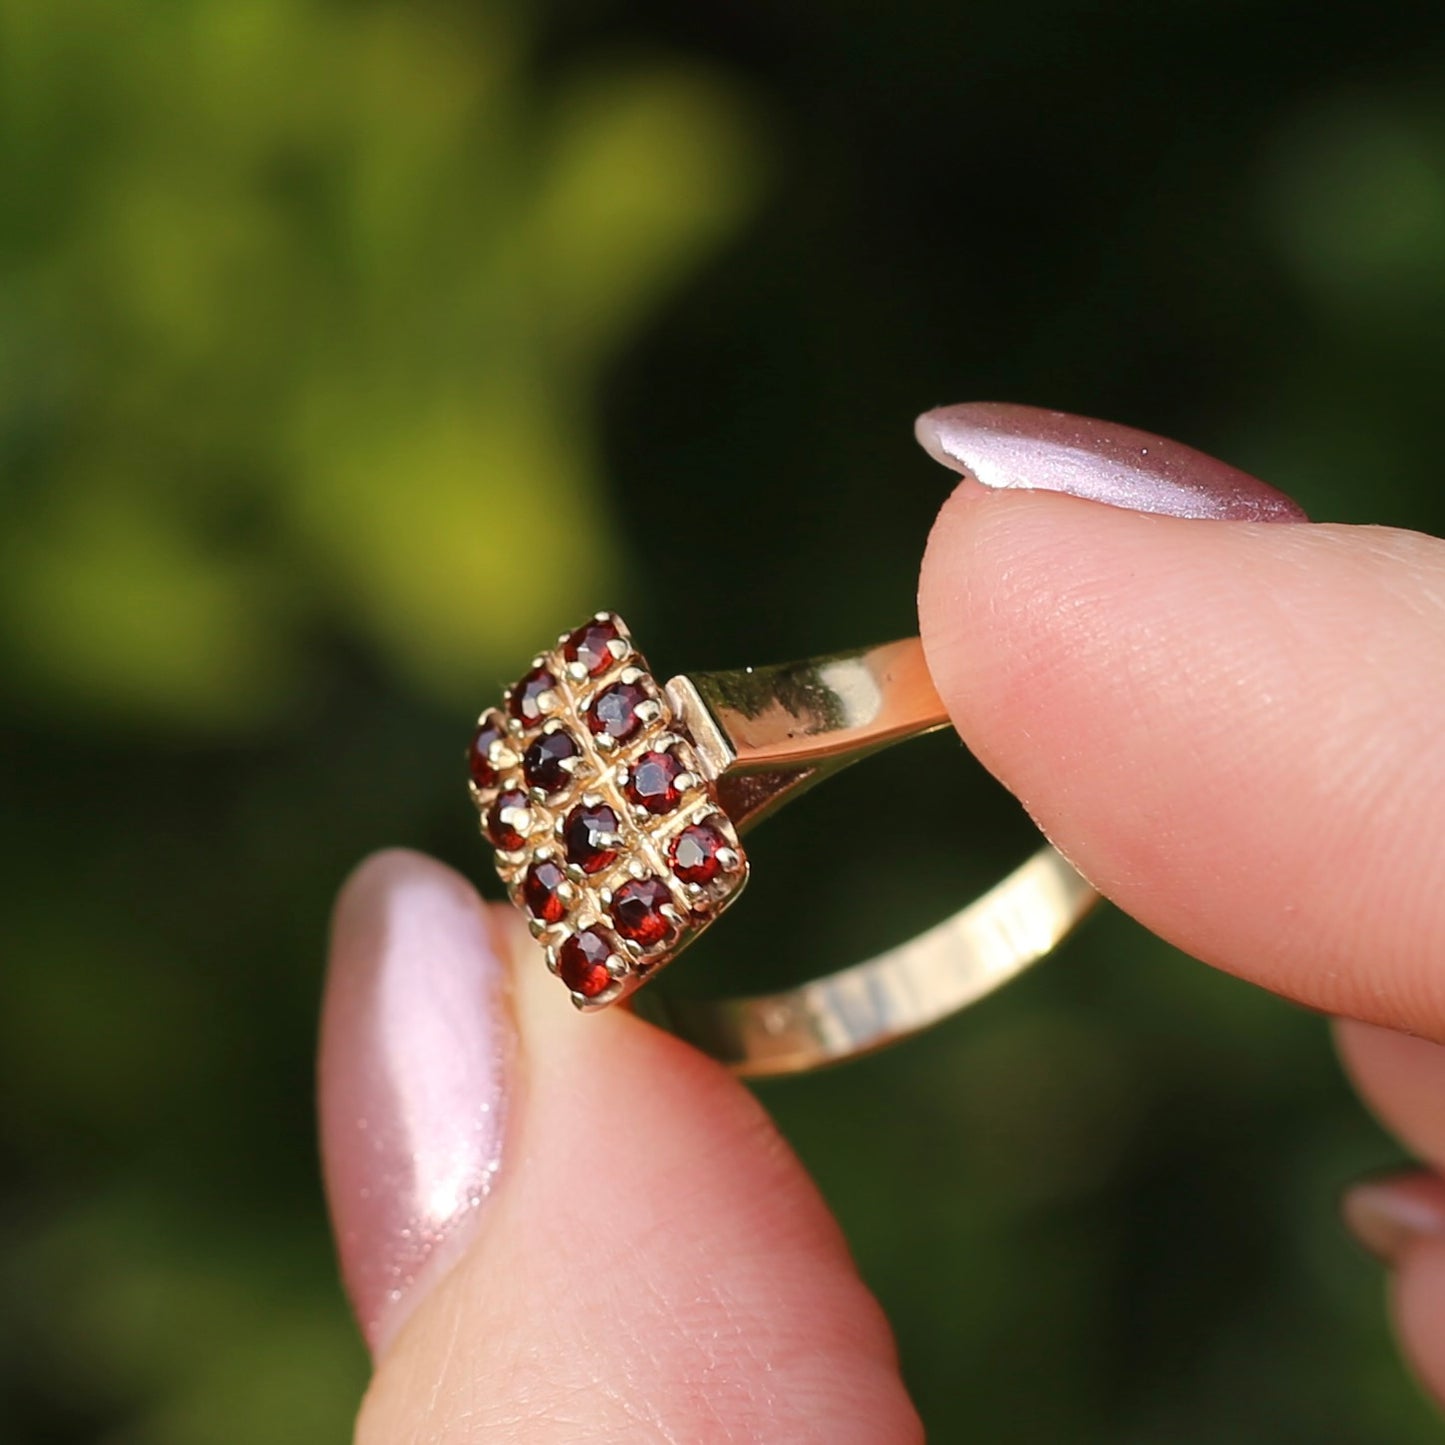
{"x": 765, "y": 734}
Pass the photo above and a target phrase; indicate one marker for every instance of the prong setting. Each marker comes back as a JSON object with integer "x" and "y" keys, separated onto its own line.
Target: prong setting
{"x": 615, "y": 837}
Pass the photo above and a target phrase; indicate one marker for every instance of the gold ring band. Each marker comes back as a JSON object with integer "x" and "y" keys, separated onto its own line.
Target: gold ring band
{"x": 617, "y": 806}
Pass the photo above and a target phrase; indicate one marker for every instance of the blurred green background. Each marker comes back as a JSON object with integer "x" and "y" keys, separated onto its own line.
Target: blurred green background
{"x": 297, "y": 297}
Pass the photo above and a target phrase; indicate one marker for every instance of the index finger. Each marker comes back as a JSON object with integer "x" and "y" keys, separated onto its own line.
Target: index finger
{"x": 1233, "y": 729}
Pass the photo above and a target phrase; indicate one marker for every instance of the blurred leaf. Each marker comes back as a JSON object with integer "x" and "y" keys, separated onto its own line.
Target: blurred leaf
{"x": 209, "y": 1326}
{"x": 647, "y": 169}
{"x": 331, "y": 270}
{"x": 111, "y": 598}
{"x": 1355, "y": 193}
{"x": 459, "y": 530}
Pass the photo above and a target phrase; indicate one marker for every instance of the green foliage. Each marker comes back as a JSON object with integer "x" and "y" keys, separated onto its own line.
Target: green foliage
{"x": 303, "y": 313}
{"x": 308, "y": 306}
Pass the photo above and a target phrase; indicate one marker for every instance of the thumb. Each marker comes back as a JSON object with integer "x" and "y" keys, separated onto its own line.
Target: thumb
{"x": 556, "y": 1227}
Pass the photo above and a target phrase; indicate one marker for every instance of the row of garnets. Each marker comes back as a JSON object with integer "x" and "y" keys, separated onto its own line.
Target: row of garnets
{"x": 556, "y": 838}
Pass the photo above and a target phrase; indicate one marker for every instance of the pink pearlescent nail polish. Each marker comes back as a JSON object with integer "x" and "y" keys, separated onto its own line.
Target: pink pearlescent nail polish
{"x": 1023, "y": 448}
{"x": 416, "y": 1047}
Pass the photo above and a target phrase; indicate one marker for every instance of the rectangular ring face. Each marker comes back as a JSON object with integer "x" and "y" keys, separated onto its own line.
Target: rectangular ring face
{"x": 608, "y": 836}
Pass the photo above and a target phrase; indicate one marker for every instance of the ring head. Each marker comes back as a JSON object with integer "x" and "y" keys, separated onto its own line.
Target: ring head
{"x": 608, "y": 834}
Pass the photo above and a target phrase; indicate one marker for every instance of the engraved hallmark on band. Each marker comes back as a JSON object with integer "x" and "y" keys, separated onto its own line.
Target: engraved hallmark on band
{"x": 604, "y": 813}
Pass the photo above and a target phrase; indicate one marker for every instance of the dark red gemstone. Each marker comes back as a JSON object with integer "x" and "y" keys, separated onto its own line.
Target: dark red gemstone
{"x": 584, "y": 834}
{"x": 502, "y": 831}
{"x": 637, "y": 911}
{"x": 490, "y": 730}
{"x": 582, "y": 962}
{"x": 615, "y": 711}
{"x": 543, "y": 762}
{"x": 694, "y": 853}
{"x": 652, "y": 781}
{"x": 588, "y": 645}
{"x": 526, "y": 699}
{"x": 541, "y": 890}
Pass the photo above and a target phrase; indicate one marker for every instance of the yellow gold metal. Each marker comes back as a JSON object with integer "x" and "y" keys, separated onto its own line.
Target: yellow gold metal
{"x": 765, "y": 733}
{"x": 755, "y": 739}
{"x": 897, "y": 994}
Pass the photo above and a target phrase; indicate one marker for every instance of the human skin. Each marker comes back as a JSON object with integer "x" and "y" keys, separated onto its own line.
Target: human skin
{"x": 1228, "y": 719}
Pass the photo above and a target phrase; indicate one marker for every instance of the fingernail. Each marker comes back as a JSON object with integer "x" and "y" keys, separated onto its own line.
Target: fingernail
{"x": 416, "y": 1045}
{"x": 1022, "y": 448}
{"x": 1389, "y": 1214}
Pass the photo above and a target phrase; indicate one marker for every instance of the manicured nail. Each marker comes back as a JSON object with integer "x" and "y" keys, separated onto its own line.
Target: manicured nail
{"x": 1021, "y": 448}
{"x": 416, "y": 1045}
{"x": 1389, "y": 1214}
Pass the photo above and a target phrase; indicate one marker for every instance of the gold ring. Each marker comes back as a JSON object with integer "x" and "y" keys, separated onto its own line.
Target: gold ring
{"x": 616, "y": 807}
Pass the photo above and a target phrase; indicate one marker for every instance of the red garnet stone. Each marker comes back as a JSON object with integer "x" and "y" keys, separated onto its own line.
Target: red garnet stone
{"x": 615, "y": 711}
{"x": 694, "y": 853}
{"x": 501, "y": 830}
{"x": 637, "y": 911}
{"x": 652, "y": 781}
{"x": 526, "y": 700}
{"x": 542, "y": 891}
{"x": 589, "y": 645}
{"x": 582, "y": 962}
{"x": 489, "y": 731}
{"x": 544, "y": 762}
{"x": 585, "y": 833}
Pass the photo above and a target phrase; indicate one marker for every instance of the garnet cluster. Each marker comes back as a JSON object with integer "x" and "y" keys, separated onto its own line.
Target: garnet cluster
{"x": 608, "y": 835}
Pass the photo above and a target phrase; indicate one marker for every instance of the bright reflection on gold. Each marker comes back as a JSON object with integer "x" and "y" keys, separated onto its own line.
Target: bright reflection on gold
{"x": 767, "y": 733}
